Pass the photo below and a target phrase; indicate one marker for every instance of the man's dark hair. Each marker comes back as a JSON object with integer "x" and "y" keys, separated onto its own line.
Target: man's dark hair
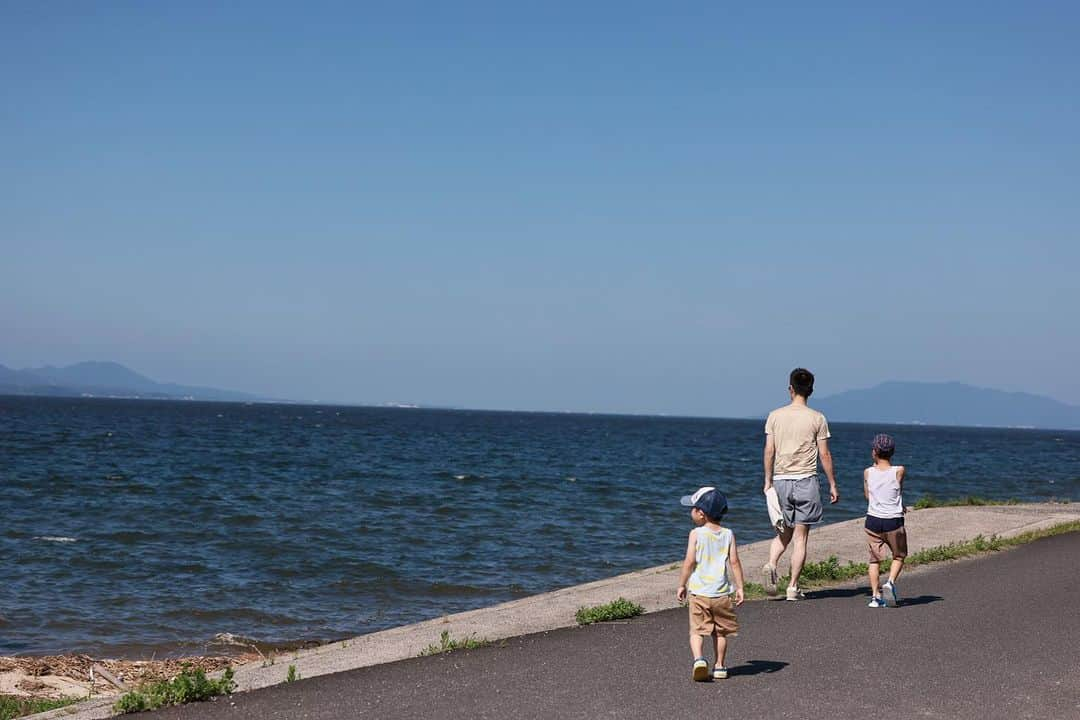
{"x": 802, "y": 382}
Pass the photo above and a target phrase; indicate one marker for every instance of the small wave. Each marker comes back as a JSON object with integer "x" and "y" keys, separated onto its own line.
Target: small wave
{"x": 130, "y": 536}
{"x": 55, "y": 538}
{"x": 237, "y": 614}
{"x": 459, "y": 476}
{"x": 227, "y": 639}
{"x": 447, "y": 589}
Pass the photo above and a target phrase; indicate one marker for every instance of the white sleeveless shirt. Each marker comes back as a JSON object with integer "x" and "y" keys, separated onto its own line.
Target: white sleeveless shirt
{"x": 886, "y": 501}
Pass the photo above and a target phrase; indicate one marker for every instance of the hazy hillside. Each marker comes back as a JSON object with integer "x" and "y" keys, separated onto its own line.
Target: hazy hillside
{"x": 103, "y": 379}
{"x": 950, "y": 403}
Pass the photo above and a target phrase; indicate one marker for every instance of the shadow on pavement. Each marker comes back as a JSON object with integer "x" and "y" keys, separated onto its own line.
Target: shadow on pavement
{"x": 757, "y": 667}
{"x": 837, "y": 593}
{"x": 920, "y": 600}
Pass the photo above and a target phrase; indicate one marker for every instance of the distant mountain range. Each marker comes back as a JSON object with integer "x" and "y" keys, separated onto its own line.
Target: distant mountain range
{"x": 950, "y": 403}
{"x": 104, "y": 379}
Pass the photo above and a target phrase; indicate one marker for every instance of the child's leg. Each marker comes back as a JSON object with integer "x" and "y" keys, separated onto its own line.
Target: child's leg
{"x": 895, "y": 568}
{"x": 875, "y": 577}
{"x": 697, "y": 645}
{"x": 798, "y": 553}
{"x": 720, "y": 645}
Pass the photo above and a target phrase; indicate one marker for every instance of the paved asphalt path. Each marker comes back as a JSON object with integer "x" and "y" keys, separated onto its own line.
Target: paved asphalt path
{"x": 994, "y": 637}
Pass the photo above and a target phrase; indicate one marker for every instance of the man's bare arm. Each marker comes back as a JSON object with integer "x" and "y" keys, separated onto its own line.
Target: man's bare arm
{"x": 826, "y": 462}
{"x": 770, "y": 456}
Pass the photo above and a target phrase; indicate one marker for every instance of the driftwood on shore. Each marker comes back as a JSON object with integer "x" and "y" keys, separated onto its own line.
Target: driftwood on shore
{"x": 69, "y": 675}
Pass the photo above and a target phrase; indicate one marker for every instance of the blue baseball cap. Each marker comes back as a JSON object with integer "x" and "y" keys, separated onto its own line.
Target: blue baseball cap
{"x": 708, "y": 500}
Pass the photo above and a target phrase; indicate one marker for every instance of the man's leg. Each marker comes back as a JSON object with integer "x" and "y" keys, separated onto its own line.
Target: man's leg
{"x": 776, "y": 549}
{"x": 779, "y": 545}
{"x": 798, "y": 553}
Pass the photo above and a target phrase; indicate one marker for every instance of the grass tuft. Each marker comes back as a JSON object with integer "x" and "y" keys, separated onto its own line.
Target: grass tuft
{"x": 931, "y": 501}
{"x": 191, "y": 685}
{"x": 448, "y": 644}
{"x": 981, "y": 544}
{"x": 753, "y": 591}
{"x": 12, "y": 706}
{"x": 615, "y": 610}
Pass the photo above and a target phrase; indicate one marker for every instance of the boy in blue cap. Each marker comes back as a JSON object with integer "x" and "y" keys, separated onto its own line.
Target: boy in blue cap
{"x": 704, "y": 574}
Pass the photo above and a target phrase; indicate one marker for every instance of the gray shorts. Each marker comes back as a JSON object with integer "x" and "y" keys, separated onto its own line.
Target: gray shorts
{"x": 800, "y": 500}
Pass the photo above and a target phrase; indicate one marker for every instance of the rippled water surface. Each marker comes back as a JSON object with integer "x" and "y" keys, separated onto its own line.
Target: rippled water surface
{"x": 132, "y": 527}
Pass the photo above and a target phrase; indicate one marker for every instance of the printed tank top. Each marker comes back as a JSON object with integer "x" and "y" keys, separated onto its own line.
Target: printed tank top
{"x": 710, "y": 576}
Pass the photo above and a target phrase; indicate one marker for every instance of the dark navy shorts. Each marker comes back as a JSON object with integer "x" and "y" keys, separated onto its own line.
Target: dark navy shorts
{"x": 883, "y": 525}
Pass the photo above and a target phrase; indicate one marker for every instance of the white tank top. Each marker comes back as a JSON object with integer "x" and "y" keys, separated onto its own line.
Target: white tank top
{"x": 885, "y": 498}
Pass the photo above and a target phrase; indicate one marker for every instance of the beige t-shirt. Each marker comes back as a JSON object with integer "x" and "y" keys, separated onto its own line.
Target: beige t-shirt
{"x": 796, "y": 430}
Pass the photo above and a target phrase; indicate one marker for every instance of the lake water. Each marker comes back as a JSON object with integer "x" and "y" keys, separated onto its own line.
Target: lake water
{"x": 137, "y": 527}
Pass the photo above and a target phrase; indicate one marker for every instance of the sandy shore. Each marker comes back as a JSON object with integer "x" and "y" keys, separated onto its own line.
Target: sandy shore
{"x": 60, "y": 676}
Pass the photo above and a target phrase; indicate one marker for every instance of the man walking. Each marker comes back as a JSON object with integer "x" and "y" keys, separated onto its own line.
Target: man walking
{"x": 796, "y": 437}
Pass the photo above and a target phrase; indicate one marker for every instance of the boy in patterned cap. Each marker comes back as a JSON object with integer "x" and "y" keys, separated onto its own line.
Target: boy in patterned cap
{"x": 704, "y": 573}
{"x": 883, "y": 484}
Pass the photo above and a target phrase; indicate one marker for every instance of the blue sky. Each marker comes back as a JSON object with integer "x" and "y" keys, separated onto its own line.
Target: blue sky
{"x": 602, "y": 206}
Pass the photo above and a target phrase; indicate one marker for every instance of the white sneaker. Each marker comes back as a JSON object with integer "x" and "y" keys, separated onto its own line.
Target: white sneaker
{"x": 891, "y": 594}
{"x": 794, "y": 593}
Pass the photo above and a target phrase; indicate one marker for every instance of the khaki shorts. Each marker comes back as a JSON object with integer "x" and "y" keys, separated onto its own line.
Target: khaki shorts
{"x": 895, "y": 540}
{"x": 709, "y": 615}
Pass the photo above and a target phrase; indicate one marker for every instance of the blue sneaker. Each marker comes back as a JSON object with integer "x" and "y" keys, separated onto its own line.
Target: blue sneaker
{"x": 876, "y": 602}
{"x": 891, "y": 594}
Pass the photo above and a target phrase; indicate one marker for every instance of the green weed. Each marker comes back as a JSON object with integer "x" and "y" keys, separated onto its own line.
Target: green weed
{"x": 448, "y": 644}
{"x": 189, "y": 686}
{"x": 614, "y": 610}
{"x": 981, "y": 544}
{"x": 753, "y": 591}
{"x": 12, "y": 706}
{"x": 931, "y": 501}
{"x": 291, "y": 676}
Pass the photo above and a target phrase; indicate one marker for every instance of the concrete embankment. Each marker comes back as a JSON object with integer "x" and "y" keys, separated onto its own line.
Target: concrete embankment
{"x": 653, "y": 588}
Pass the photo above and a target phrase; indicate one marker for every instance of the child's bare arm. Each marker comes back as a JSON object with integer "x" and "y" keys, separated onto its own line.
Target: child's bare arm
{"x": 736, "y": 571}
{"x": 865, "y": 483}
{"x": 900, "y": 476}
{"x": 688, "y": 564}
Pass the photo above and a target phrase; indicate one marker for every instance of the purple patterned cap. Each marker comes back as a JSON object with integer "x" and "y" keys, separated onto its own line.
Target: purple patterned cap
{"x": 884, "y": 443}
